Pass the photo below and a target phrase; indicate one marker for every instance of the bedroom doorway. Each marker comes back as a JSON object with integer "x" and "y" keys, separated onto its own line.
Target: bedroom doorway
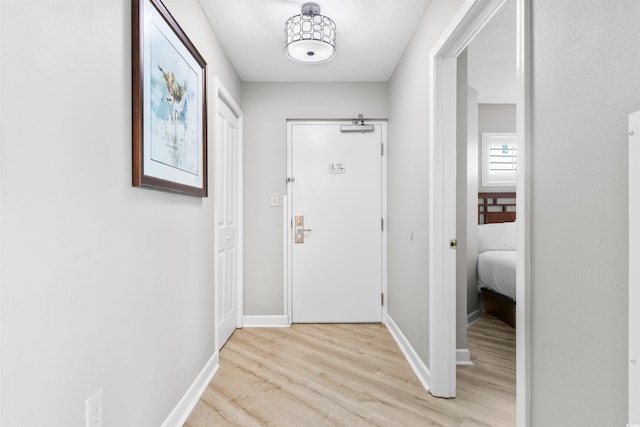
{"x": 486, "y": 160}
{"x": 470, "y": 20}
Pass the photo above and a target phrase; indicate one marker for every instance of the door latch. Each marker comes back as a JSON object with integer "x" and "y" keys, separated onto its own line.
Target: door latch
{"x": 299, "y": 228}
{"x": 453, "y": 243}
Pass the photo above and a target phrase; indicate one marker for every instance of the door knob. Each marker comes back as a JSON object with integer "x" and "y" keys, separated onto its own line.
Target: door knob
{"x": 299, "y": 229}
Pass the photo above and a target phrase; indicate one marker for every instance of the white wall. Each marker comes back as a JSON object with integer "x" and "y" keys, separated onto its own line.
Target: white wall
{"x": 492, "y": 58}
{"x": 266, "y": 107}
{"x": 408, "y": 180}
{"x": 102, "y": 284}
{"x": 585, "y": 62}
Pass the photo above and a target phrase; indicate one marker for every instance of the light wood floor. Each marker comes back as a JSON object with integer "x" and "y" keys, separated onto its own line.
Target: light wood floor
{"x": 344, "y": 375}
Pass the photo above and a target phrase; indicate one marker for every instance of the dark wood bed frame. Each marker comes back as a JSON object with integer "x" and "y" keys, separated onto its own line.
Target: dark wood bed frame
{"x": 496, "y": 207}
{"x": 493, "y": 208}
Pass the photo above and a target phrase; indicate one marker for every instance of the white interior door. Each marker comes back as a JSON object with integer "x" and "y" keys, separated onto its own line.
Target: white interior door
{"x": 227, "y": 153}
{"x": 337, "y": 269}
{"x": 634, "y": 268}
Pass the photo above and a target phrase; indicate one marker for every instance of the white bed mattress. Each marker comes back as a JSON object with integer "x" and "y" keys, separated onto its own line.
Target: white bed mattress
{"x": 497, "y": 271}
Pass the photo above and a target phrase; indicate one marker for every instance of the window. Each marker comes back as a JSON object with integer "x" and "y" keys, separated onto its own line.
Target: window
{"x": 499, "y": 159}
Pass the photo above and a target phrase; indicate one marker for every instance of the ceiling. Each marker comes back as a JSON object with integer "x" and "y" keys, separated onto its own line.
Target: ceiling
{"x": 371, "y": 38}
{"x": 492, "y": 58}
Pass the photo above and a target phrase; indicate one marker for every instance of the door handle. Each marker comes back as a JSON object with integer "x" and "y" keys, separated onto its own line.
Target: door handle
{"x": 299, "y": 229}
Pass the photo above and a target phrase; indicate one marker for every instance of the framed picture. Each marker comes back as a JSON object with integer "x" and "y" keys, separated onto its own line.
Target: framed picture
{"x": 169, "y": 104}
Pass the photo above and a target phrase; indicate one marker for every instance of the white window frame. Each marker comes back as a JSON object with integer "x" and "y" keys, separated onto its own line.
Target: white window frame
{"x": 492, "y": 179}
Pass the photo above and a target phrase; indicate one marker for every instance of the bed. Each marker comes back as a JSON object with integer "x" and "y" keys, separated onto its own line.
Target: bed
{"x": 497, "y": 254}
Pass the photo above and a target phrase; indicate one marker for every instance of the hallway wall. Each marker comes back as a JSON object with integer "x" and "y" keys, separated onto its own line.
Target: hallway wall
{"x": 102, "y": 285}
{"x": 585, "y": 62}
{"x": 267, "y": 106}
{"x": 408, "y": 207}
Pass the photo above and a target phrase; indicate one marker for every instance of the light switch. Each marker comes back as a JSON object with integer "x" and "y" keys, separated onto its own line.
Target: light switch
{"x": 275, "y": 200}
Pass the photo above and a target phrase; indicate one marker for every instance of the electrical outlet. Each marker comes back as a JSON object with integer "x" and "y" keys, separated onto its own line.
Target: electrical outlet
{"x": 93, "y": 414}
{"x": 275, "y": 200}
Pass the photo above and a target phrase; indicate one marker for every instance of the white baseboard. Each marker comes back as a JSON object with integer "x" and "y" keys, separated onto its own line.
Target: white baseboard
{"x": 463, "y": 357}
{"x": 183, "y": 409}
{"x": 473, "y": 317}
{"x": 266, "y": 321}
{"x": 418, "y": 366}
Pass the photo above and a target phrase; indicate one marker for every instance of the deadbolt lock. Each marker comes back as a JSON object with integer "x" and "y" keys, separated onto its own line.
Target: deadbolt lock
{"x": 453, "y": 243}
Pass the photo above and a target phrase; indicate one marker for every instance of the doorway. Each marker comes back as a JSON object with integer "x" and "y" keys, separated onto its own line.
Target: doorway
{"x": 442, "y": 273}
{"x": 336, "y": 242}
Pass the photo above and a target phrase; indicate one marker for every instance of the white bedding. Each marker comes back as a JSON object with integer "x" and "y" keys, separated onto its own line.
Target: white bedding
{"x": 497, "y": 271}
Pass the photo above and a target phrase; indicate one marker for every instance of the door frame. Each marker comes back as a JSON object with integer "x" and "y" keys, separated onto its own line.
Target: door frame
{"x": 465, "y": 25}
{"x": 288, "y": 214}
{"x": 223, "y": 95}
{"x": 634, "y": 269}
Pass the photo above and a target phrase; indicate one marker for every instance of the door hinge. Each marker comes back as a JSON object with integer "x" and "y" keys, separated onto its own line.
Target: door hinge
{"x": 381, "y": 299}
{"x": 382, "y": 149}
{"x": 381, "y": 224}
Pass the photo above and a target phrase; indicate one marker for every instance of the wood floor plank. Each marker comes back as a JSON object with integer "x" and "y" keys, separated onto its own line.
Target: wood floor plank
{"x": 352, "y": 374}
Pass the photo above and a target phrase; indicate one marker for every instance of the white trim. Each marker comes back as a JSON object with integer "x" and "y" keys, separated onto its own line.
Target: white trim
{"x": 385, "y": 150}
{"x": 287, "y": 261}
{"x": 473, "y": 317}
{"x": 288, "y": 217}
{"x": 223, "y": 95}
{"x": 183, "y": 409}
{"x": 288, "y": 291}
{"x": 634, "y": 268}
{"x": 466, "y": 24}
{"x": 277, "y": 321}
{"x": 523, "y": 213}
{"x": 2, "y": 150}
{"x": 463, "y": 357}
{"x": 418, "y": 366}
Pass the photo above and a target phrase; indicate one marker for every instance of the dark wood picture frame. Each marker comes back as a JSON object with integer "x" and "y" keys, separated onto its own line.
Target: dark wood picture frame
{"x": 169, "y": 98}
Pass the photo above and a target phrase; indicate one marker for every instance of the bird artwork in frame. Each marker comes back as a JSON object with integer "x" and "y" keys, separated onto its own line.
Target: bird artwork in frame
{"x": 169, "y": 104}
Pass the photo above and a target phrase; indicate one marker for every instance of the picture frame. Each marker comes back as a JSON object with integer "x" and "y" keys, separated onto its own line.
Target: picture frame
{"x": 169, "y": 104}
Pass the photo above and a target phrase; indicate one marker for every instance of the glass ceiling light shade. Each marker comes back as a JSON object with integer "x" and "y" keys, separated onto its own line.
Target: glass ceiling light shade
{"x": 311, "y": 37}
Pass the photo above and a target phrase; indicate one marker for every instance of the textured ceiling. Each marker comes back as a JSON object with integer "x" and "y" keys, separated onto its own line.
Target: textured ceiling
{"x": 492, "y": 58}
{"x": 371, "y": 37}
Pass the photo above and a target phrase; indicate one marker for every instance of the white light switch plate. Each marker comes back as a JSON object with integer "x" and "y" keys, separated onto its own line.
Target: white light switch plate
{"x": 275, "y": 200}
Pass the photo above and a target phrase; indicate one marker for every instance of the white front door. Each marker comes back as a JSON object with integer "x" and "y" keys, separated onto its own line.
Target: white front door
{"x": 226, "y": 155}
{"x": 337, "y": 223}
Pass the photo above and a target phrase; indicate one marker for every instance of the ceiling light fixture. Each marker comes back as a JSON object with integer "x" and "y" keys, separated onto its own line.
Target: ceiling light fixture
{"x": 311, "y": 37}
